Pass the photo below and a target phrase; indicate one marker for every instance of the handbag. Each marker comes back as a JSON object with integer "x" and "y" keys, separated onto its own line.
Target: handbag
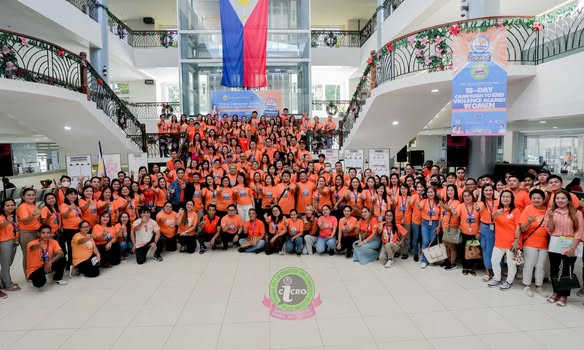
{"x": 452, "y": 235}
{"x": 472, "y": 250}
{"x": 435, "y": 253}
{"x": 517, "y": 257}
{"x": 565, "y": 282}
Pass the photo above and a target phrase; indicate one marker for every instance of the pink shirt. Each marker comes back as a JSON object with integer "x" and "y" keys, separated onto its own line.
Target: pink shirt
{"x": 563, "y": 224}
{"x": 326, "y": 226}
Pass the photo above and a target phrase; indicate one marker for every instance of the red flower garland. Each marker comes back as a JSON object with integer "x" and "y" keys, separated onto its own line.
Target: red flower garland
{"x": 454, "y": 29}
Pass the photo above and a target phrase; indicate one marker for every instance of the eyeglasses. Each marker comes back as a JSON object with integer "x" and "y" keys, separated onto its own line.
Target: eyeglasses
{"x": 84, "y": 226}
{"x": 230, "y": 209}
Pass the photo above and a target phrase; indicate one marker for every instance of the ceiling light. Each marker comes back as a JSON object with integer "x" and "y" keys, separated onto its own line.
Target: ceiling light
{"x": 67, "y": 127}
{"x": 435, "y": 91}
{"x": 395, "y": 122}
{"x": 542, "y": 122}
{"x": 555, "y": 127}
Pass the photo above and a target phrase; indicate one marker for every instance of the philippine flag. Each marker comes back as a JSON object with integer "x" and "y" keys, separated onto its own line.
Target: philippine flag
{"x": 244, "y": 27}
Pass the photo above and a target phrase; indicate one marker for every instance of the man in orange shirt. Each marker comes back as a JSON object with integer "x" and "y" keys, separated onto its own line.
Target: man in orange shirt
{"x": 171, "y": 163}
{"x": 305, "y": 189}
{"x": 284, "y": 116}
{"x": 554, "y": 185}
{"x": 285, "y": 193}
{"x": 208, "y": 228}
{"x": 230, "y": 229}
{"x": 44, "y": 255}
{"x": 521, "y": 197}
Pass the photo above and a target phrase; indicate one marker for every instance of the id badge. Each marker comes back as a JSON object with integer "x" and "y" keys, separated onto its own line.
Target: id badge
{"x": 491, "y": 227}
{"x": 470, "y": 230}
{"x": 94, "y": 261}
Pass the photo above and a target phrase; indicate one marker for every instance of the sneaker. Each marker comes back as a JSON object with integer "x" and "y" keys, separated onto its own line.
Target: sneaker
{"x": 451, "y": 267}
{"x": 445, "y": 263}
{"x": 527, "y": 290}
{"x": 472, "y": 272}
{"x": 494, "y": 283}
{"x": 3, "y": 295}
{"x": 416, "y": 257}
{"x": 388, "y": 264}
{"x": 505, "y": 286}
{"x": 580, "y": 292}
{"x": 396, "y": 255}
{"x": 423, "y": 265}
{"x": 464, "y": 271}
{"x": 298, "y": 253}
{"x": 539, "y": 290}
{"x": 202, "y": 249}
{"x": 61, "y": 283}
{"x": 331, "y": 252}
{"x": 241, "y": 250}
{"x": 405, "y": 256}
{"x": 158, "y": 258}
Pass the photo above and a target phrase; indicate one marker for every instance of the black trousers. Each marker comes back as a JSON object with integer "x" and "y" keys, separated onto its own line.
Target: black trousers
{"x": 189, "y": 242}
{"x": 39, "y": 278}
{"x": 347, "y": 243}
{"x": 204, "y": 237}
{"x": 66, "y": 245}
{"x": 555, "y": 262}
{"x": 275, "y": 247}
{"x": 87, "y": 269}
{"x": 111, "y": 256}
{"x": 226, "y": 238}
{"x": 168, "y": 243}
{"x": 142, "y": 251}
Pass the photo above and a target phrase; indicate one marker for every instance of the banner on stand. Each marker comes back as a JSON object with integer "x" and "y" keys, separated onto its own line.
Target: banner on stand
{"x": 354, "y": 159}
{"x": 379, "y": 161}
{"x": 479, "y": 83}
{"x": 113, "y": 164}
{"x": 137, "y": 160}
{"x": 78, "y": 168}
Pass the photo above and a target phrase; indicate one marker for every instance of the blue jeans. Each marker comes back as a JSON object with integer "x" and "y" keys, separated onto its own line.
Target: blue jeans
{"x": 294, "y": 245}
{"x": 428, "y": 234}
{"x": 487, "y": 244}
{"x": 416, "y": 233}
{"x": 259, "y": 246}
{"x": 367, "y": 252}
{"x": 322, "y": 244}
{"x": 125, "y": 246}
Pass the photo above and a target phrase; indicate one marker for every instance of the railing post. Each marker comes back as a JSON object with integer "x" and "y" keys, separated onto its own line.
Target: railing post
{"x": 144, "y": 138}
{"x": 372, "y": 72}
{"x": 83, "y": 74}
{"x": 341, "y": 123}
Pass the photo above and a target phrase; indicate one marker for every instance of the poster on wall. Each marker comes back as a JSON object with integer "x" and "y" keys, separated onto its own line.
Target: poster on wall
{"x": 354, "y": 159}
{"x": 78, "y": 168}
{"x": 266, "y": 103}
{"x": 331, "y": 156}
{"x": 379, "y": 161}
{"x": 113, "y": 164}
{"x": 137, "y": 160}
{"x": 479, "y": 83}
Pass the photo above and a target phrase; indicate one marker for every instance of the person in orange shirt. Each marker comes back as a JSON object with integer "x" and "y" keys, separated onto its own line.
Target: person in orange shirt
{"x": 506, "y": 219}
{"x": 230, "y": 229}
{"x": 321, "y": 195}
{"x": 208, "y": 228}
{"x": 256, "y": 233}
{"x": 88, "y": 206}
{"x": 554, "y": 185}
{"x": 469, "y": 227}
{"x": 365, "y": 249}
{"x": 8, "y": 240}
{"x": 50, "y": 214}
{"x": 71, "y": 214}
{"x": 355, "y": 200}
{"x": 124, "y": 231}
{"x": 86, "y": 256}
{"x": 167, "y": 221}
{"x": 187, "y": 228}
{"x": 277, "y": 228}
{"x": 534, "y": 241}
{"x": 243, "y": 197}
{"x": 163, "y": 130}
{"x": 450, "y": 224}
{"x": 327, "y": 225}
{"x": 339, "y": 196}
{"x": 486, "y": 207}
{"x": 285, "y": 193}
{"x": 430, "y": 209}
{"x": 225, "y": 196}
{"x": 305, "y": 189}
{"x": 105, "y": 236}
{"x": 521, "y": 196}
{"x": 393, "y": 238}
{"x": 295, "y": 238}
{"x": 347, "y": 233}
{"x": 43, "y": 256}
{"x": 29, "y": 220}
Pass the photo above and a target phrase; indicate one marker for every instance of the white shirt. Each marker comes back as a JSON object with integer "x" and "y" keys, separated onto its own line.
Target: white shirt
{"x": 146, "y": 232}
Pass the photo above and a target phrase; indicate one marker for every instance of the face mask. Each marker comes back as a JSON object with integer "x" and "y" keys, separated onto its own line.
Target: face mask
{"x": 65, "y": 184}
{"x": 327, "y": 169}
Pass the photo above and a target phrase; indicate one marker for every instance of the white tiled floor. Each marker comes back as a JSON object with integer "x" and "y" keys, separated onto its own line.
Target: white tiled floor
{"x": 213, "y": 301}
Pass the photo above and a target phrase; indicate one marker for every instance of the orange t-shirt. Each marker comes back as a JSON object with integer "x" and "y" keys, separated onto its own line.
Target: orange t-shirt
{"x": 275, "y": 228}
{"x": 242, "y": 195}
{"x": 192, "y": 220}
{"x": 368, "y": 201}
{"x": 505, "y": 227}
{"x": 321, "y": 199}
{"x": 160, "y": 197}
{"x": 403, "y": 210}
{"x": 537, "y": 238}
{"x": 74, "y": 219}
{"x": 231, "y": 224}
{"x": 487, "y": 210}
{"x": 430, "y": 211}
{"x": 224, "y": 198}
{"x": 305, "y": 191}
{"x": 350, "y": 222}
{"x": 198, "y": 198}
{"x": 522, "y": 200}
{"x": 268, "y": 196}
{"x": 448, "y": 220}
{"x": 354, "y": 200}
{"x": 416, "y": 212}
{"x": 368, "y": 228}
{"x": 54, "y": 221}
{"x": 295, "y": 226}
{"x": 326, "y": 226}
{"x": 36, "y": 259}
{"x": 210, "y": 196}
{"x": 81, "y": 252}
{"x": 25, "y": 210}
{"x": 573, "y": 198}
{"x": 285, "y": 198}
{"x": 469, "y": 219}
{"x": 103, "y": 234}
{"x": 90, "y": 214}
{"x": 255, "y": 228}
{"x": 339, "y": 195}
{"x": 6, "y": 233}
{"x": 387, "y": 234}
{"x": 167, "y": 223}
{"x": 210, "y": 226}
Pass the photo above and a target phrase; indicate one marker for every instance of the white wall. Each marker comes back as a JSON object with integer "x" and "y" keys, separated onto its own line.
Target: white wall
{"x": 35, "y": 179}
{"x": 155, "y": 57}
{"x": 408, "y": 12}
{"x": 140, "y": 92}
{"x": 347, "y": 56}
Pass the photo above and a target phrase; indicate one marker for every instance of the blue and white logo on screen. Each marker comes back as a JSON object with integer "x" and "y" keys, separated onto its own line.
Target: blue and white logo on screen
{"x": 480, "y": 44}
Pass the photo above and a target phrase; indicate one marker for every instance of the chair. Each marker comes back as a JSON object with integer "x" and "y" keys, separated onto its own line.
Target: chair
{"x": 10, "y": 193}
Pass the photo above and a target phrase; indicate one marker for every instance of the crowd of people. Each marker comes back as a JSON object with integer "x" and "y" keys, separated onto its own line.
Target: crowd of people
{"x": 254, "y": 187}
